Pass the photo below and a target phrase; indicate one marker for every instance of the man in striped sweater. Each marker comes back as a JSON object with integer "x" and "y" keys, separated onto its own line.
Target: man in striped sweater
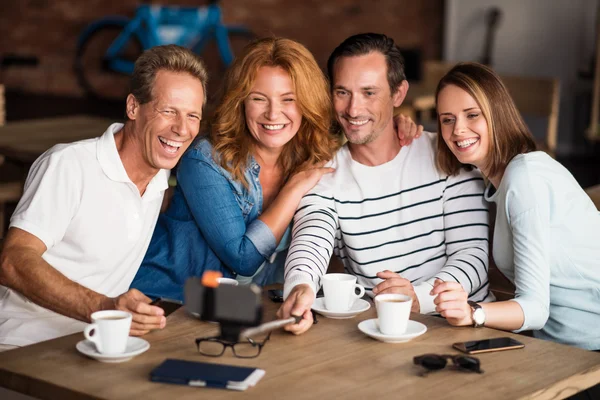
{"x": 394, "y": 220}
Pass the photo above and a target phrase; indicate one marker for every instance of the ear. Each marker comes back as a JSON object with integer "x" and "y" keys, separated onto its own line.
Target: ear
{"x": 132, "y": 107}
{"x": 400, "y": 94}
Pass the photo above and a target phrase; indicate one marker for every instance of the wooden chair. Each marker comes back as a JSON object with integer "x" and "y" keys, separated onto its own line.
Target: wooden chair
{"x": 419, "y": 103}
{"x": 538, "y": 97}
{"x": 500, "y": 286}
{"x": 434, "y": 71}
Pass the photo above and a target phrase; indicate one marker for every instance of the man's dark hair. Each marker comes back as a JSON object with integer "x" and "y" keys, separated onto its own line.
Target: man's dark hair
{"x": 365, "y": 43}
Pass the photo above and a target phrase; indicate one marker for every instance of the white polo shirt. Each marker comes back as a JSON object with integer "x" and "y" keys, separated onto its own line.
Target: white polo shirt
{"x": 80, "y": 202}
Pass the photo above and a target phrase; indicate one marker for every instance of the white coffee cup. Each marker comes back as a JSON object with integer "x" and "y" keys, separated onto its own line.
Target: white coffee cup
{"x": 110, "y": 331}
{"x": 393, "y": 312}
{"x": 340, "y": 291}
{"x": 227, "y": 281}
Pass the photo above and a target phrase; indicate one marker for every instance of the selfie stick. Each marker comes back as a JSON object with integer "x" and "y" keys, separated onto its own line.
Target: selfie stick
{"x": 269, "y": 326}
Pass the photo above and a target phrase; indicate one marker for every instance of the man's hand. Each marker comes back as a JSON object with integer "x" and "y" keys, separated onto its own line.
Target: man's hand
{"x": 145, "y": 317}
{"x": 451, "y": 303}
{"x": 394, "y": 283}
{"x": 406, "y": 129}
{"x": 298, "y": 303}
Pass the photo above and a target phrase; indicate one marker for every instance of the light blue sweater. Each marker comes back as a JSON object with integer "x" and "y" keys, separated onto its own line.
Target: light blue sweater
{"x": 547, "y": 242}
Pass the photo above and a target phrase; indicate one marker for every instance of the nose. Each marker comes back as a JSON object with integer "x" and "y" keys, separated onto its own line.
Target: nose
{"x": 272, "y": 111}
{"x": 180, "y": 126}
{"x": 352, "y": 107}
{"x": 460, "y": 125}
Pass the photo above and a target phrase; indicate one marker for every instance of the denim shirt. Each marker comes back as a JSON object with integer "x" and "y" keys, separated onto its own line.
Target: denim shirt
{"x": 211, "y": 224}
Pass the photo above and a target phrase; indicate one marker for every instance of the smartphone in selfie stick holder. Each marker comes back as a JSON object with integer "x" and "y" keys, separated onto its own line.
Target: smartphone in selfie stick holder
{"x": 235, "y": 308}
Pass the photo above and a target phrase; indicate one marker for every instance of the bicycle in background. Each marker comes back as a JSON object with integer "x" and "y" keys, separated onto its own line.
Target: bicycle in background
{"x": 108, "y": 47}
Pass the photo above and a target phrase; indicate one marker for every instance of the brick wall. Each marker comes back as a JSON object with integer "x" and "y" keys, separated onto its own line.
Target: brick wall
{"x": 48, "y": 29}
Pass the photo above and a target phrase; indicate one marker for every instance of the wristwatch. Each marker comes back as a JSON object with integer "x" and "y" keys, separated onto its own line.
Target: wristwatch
{"x": 477, "y": 314}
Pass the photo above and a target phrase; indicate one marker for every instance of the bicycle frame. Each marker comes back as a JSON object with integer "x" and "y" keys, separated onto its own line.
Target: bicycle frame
{"x": 107, "y": 48}
{"x": 191, "y": 27}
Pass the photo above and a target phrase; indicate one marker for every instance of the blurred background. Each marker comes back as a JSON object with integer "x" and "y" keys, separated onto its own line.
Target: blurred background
{"x": 549, "y": 46}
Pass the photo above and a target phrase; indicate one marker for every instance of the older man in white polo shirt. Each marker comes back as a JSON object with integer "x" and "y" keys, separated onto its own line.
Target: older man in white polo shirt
{"x": 89, "y": 209}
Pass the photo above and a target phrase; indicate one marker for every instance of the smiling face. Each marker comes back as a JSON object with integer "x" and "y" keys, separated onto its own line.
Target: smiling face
{"x": 166, "y": 126}
{"x": 463, "y": 126}
{"x": 272, "y": 113}
{"x": 362, "y": 100}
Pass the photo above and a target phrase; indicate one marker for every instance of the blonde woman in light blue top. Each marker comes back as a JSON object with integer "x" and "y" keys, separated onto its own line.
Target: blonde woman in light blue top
{"x": 547, "y": 231}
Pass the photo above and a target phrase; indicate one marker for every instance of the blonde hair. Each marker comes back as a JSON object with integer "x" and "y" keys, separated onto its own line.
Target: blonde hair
{"x": 509, "y": 136}
{"x": 171, "y": 58}
{"x": 312, "y": 144}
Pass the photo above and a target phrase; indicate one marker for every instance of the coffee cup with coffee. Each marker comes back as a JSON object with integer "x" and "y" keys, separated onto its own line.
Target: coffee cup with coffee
{"x": 340, "y": 291}
{"x": 109, "y": 331}
{"x": 393, "y": 312}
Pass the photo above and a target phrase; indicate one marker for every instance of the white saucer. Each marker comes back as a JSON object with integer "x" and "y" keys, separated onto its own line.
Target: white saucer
{"x": 135, "y": 346}
{"x": 359, "y": 306}
{"x": 371, "y": 328}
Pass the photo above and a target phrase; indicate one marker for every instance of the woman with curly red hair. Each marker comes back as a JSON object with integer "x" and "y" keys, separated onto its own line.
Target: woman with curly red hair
{"x": 238, "y": 189}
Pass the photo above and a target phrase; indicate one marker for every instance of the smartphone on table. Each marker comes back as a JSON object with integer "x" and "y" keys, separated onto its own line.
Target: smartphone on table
{"x": 168, "y": 305}
{"x": 488, "y": 345}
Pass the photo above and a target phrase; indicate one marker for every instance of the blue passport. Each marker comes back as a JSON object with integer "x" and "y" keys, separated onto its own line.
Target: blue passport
{"x": 203, "y": 374}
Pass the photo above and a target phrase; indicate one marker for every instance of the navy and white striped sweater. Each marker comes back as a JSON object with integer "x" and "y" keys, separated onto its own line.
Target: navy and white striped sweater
{"x": 404, "y": 215}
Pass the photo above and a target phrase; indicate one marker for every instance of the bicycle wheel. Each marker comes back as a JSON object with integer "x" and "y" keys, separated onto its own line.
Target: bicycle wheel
{"x": 93, "y": 72}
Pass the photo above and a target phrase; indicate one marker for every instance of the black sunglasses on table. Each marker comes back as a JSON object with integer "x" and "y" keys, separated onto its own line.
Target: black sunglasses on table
{"x": 434, "y": 362}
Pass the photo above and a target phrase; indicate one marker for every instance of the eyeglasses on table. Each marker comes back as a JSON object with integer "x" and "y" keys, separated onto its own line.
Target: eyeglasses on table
{"x": 215, "y": 347}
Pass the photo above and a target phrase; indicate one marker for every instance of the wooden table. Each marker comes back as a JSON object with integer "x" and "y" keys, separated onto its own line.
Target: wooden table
{"x": 24, "y": 141}
{"x": 332, "y": 360}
